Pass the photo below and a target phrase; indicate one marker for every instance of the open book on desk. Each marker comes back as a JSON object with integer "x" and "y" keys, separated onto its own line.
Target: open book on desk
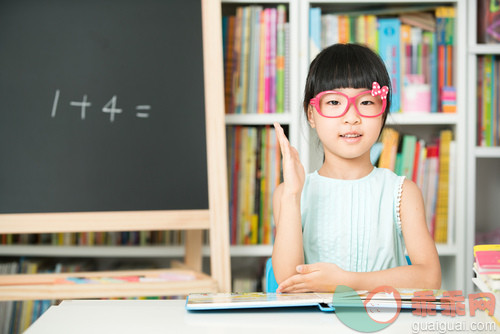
{"x": 324, "y": 301}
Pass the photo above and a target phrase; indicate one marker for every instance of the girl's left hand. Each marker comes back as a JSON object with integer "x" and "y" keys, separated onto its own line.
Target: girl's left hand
{"x": 318, "y": 277}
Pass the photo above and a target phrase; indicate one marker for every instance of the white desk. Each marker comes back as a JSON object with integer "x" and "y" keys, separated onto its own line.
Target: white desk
{"x": 170, "y": 316}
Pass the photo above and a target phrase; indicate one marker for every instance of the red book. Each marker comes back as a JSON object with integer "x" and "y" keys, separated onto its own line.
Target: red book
{"x": 488, "y": 260}
{"x": 416, "y": 162}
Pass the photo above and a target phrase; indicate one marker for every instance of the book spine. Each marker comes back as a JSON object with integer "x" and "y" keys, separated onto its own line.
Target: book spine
{"x": 245, "y": 50}
{"x": 487, "y": 103}
{"x": 408, "y": 155}
{"x": 280, "y": 59}
{"x": 272, "y": 79}
{"x": 432, "y": 186}
{"x": 254, "y": 53}
{"x": 237, "y": 57}
{"x": 389, "y": 46}
{"x": 314, "y": 32}
{"x": 443, "y": 185}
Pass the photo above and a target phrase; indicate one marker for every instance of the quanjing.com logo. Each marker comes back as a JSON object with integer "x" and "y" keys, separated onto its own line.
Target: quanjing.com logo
{"x": 382, "y": 305}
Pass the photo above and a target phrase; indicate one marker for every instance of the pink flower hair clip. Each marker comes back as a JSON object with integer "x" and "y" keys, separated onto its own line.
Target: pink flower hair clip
{"x": 376, "y": 90}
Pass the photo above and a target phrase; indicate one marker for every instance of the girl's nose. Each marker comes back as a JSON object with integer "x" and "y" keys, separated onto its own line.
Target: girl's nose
{"x": 352, "y": 116}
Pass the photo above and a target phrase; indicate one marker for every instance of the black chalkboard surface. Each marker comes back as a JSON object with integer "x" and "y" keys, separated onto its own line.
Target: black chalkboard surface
{"x": 101, "y": 106}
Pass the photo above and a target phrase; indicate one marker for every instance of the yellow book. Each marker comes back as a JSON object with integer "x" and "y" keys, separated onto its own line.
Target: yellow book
{"x": 493, "y": 247}
{"x": 251, "y": 177}
{"x": 360, "y": 29}
{"x": 371, "y": 32}
{"x": 389, "y": 139}
{"x": 441, "y": 227}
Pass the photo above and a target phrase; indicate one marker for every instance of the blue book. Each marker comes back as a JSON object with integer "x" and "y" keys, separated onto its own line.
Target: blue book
{"x": 253, "y": 66}
{"x": 314, "y": 32}
{"x": 430, "y": 39}
{"x": 388, "y": 48}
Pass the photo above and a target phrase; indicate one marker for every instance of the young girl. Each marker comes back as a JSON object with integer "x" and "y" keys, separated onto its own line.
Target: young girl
{"x": 349, "y": 222}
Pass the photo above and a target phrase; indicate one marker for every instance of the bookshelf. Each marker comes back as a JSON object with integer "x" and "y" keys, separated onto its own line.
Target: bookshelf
{"x": 483, "y": 161}
{"x": 193, "y": 222}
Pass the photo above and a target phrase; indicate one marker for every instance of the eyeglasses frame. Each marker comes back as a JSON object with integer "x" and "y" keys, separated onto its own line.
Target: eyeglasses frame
{"x": 315, "y": 102}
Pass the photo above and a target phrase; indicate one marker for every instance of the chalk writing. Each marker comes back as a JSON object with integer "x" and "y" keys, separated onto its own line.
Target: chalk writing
{"x": 110, "y": 107}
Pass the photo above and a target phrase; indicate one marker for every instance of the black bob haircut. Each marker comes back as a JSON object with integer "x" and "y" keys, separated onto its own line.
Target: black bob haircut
{"x": 346, "y": 66}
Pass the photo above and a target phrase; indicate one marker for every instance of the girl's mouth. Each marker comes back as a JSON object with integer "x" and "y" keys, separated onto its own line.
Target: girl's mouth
{"x": 350, "y": 135}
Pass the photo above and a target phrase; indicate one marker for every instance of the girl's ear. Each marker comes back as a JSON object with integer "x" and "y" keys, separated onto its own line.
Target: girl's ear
{"x": 310, "y": 118}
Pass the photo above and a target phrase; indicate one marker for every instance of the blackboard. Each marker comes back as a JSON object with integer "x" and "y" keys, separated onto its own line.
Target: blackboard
{"x": 101, "y": 106}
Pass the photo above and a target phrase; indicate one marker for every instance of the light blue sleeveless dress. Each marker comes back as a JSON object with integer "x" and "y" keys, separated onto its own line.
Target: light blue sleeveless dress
{"x": 353, "y": 223}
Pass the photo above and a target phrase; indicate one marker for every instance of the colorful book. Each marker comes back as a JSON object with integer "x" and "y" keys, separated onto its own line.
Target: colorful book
{"x": 272, "y": 58}
{"x": 245, "y": 51}
{"x": 254, "y": 56}
{"x": 408, "y": 155}
{"x": 389, "y": 47}
{"x": 314, "y": 32}
{"x": 237, "y": 59}
{"x": 443, "y": 186}
{"x": 431, "y": 186}
{"x": 389, "y": 139}
{"x": 371, "y": 32}
{"x": 445, "y": 23}
{"x": 280, "y": 59}
{"x": 487, "y": 98}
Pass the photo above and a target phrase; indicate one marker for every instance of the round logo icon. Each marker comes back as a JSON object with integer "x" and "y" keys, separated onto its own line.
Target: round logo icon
{"x": 377, "y": 311}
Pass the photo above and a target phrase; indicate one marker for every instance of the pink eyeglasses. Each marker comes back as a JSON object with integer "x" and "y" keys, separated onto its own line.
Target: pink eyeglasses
{"x": 369, "y": 103}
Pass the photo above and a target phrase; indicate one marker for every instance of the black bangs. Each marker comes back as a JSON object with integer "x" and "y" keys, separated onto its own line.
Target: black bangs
{"x": 347, "y": 66}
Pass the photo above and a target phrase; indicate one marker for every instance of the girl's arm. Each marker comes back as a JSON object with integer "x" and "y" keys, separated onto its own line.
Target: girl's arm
{"x": 424, "y": 272}
{"x": 288, "y": 250}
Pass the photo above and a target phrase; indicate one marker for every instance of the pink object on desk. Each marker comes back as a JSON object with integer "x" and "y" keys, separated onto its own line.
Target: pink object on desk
{"x": 488, "y": 259}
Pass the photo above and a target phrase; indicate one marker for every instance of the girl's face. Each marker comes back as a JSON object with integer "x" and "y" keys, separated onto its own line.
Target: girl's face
{"x": 349, "y": 136}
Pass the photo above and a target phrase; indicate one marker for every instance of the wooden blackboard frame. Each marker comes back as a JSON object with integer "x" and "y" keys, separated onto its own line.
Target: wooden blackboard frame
{"x": 215, "y": 218}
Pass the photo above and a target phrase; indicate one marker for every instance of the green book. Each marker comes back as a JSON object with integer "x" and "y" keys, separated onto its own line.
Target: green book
{"x": 408, "y": 155}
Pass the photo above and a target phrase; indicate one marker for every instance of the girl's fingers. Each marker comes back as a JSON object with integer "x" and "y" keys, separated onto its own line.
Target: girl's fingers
{"x": 283, "y": 140}
{"x": 280, "y": 135}
{"x": 299, "y": 287}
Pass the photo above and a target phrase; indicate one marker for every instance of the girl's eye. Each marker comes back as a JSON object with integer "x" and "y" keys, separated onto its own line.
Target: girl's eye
{"x": 366, "y": 102}
{"x": 333, "y": 102}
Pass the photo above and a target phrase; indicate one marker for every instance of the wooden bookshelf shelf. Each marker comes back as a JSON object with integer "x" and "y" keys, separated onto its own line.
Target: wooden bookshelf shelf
{"x": 487, "y": 152}
{"x": 257, "y": 119}
{"x": 421, "y": 119}
{"x": 53, "y": 286}
{"x": 125, "y": 251}
{"x": 481, "y": 49}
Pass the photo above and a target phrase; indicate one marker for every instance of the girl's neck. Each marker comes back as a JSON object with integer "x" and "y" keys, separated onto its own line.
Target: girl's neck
{"x": 346, "y": 169}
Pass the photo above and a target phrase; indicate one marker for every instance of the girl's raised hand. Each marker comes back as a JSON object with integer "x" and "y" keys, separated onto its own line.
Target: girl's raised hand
{"x": 293, "y": 170}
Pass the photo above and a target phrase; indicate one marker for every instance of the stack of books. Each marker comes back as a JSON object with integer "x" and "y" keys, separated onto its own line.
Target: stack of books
{"x": 487, "y": 268}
